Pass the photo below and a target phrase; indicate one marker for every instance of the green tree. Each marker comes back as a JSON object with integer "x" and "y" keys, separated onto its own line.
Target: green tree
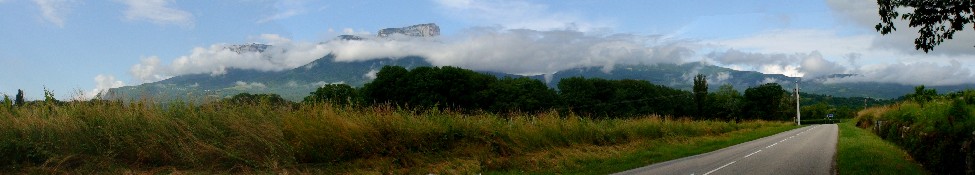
{"x": 251, "y": 99}
{"x": 726, "y": 103}
{"x": 338, "y": 94}
{"x": 700, "y": 93}
{"x": 386, "y": 87}
{"x": 49, "y": 97}
{"x": 958, "y": 112}
{"x": 816, "y": 111}
{"x": 426, "y": 87}
{"x": 938, "y": 20}
{"x": 764, "y": 101}
{"x": 19, "y": 99}
{"x": 623, "y": 98}
{"x": 7, "y": 103}
{"x": 521, "y": 94}
{"x": 922, "y": 95}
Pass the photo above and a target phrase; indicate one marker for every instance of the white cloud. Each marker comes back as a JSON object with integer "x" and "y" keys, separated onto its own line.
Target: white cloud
{"x": 284, "y": 14}
{"x": 148, "y": 70}
{"x": 285, "y": 9}
{"x": 828, "y": 42}
{"x": 54, "y": 10}
{"x": 720, "y": 78}
{"x": 251, "y": 85}
{"x": 102, "y": 84}
{"x": 323, "y": 83}
{"x": 797, "y": 65}
{"x": 813, "y": 65}
{"x": 522, "y": 51}
{"x": 919, "y": 73}
{"x": 158, "y": 12}
{"x": 855, "y": 48}
{"x": 519, "y": 51}
{"x": 216, "y": 59}
{"x": 371, "y": 74}
{"x": 515, "y": 14}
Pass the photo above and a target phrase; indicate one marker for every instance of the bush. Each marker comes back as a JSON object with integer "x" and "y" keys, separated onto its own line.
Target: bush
{"x": 939, "y": 134}
{"x": 339, "y": 94}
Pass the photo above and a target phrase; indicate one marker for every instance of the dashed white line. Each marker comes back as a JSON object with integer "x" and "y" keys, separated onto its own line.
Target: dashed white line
{"x": 749, "y": 155}
{"x": 716, "y": 169}
{"x": 753, "y": 153}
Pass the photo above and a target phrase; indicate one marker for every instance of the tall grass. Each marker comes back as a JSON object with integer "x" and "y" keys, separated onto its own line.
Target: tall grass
{"x": 938, "y": 134}
{"x": 860, "y": 152}
{"x": 141, "y": 136}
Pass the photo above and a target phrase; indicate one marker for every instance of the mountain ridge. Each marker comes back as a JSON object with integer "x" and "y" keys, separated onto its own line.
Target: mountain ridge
{"x": 295, "y": 83}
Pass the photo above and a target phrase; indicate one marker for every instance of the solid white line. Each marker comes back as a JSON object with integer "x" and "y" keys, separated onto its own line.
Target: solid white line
{"x": 752, "y": 153}
{"x": 709, "y": 172}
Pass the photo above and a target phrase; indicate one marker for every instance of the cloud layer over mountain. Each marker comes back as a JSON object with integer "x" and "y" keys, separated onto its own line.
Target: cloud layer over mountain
{"x": 518, "y": 51}
{"x": 531, "y": 39}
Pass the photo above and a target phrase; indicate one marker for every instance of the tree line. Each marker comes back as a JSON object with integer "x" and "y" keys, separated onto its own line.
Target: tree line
{"x": 465, "y": 90}
{"x": 452, "y": 88}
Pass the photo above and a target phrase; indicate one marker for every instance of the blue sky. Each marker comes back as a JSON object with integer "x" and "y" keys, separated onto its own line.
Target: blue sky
{"x": 78, "y": 47}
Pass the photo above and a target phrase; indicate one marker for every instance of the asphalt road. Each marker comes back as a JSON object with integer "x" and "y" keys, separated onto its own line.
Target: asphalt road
{"x": 806, "y": 150}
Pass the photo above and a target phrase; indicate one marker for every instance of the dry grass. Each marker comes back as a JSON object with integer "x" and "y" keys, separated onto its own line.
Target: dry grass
{"x": 220, "y": 138}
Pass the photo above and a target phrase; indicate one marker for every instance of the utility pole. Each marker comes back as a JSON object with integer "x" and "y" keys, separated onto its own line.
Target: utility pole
{"x": 798, "y": 116}
{"x": 864, "y": 103}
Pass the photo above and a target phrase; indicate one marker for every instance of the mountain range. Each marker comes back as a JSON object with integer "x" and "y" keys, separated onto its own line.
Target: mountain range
{"x": 296, "y": 83}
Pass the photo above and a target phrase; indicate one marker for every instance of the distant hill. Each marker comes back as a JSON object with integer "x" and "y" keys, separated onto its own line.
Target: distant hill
{"x": 293, "y": 84}
{"x": 680, "y": 76}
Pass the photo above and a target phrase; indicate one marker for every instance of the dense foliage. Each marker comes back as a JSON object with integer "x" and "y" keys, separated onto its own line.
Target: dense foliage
{"x": 939, "y": 133}
{"x": 246, "y": 98}
{"x": 339, "y": 94}
{"x": 938, "y": 20}
{"x": 769, "y": 102}
{"x": 465, "y": 90}
{"x": 700, "y": 93}
{"x": 617, "y": 98}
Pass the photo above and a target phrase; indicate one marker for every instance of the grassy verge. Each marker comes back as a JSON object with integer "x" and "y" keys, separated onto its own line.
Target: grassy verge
{"x": 861, "y": 152}
{"x": 672, "y": 148}
{"x": 95, "y": 138}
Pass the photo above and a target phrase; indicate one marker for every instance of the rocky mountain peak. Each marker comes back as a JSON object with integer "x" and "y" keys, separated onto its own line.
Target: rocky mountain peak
{"x": 419, "y": 30}
{"x": 252, "y": 47}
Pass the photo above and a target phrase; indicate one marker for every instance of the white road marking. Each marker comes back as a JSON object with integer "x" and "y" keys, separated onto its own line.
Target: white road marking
{"x": 749, "y": 155}
{"x": 753, "y": 153}
{"x": 716, "y": 169}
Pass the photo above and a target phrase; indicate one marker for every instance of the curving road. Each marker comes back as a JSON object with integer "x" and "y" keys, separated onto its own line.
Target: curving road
{"x": 806, "y": 150}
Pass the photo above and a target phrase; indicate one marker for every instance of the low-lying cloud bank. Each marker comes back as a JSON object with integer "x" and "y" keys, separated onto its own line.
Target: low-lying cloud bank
{"x": 517, "y": 51}
{"x": 526, "y": 51}
{"x": 813, "y": 65}
{"x": 216, "y": 59}
{"x": 925, "y": 73}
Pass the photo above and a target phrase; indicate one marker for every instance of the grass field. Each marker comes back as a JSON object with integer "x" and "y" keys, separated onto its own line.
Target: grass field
{"x": 222, "y": 138}
{"x": 861, "y": 152}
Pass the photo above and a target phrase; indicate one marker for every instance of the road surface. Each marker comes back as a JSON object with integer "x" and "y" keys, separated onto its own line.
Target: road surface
{"x": 806, "y": 150}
